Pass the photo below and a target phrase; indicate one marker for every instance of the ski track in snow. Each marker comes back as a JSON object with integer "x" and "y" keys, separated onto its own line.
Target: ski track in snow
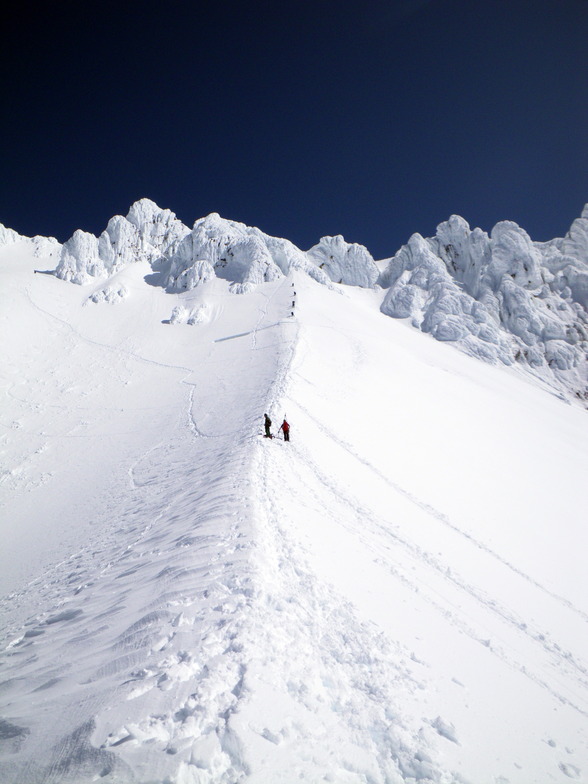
{"x": 565, "y": 663}
{"x": 383, "y": 539}
{"x": 383, "y": 527}
{"x": 117, "y": 350}
{"x": 442, "y": 518}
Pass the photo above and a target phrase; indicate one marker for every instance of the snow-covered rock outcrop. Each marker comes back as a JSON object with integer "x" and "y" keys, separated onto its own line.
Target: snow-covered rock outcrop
{"x": 345, "y": 262}
{"x": 499, "y": 297}
{"x": 148, "y": 233}
{"x": 42, "y": 246}
{"x": 8, "y": 236}
{"x": 215, "y": 247}
{"x": 233, "y": 251}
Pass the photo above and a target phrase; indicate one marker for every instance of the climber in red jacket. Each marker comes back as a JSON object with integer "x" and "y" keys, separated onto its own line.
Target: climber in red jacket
{"x": 285, "y": 428}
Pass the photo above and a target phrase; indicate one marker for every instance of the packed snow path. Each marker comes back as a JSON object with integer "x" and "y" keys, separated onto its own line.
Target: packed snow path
{"x": 397, "y": 595}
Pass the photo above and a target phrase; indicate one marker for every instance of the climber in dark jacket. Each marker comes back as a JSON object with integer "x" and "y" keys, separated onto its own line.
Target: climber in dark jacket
{"x": 268, "y": 424}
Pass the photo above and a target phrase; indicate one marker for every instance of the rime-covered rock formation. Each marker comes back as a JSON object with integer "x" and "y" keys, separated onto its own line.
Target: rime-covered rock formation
{"x": 8, "y": 236}
{"x": 241, "y": 254}
{"x": 42, "y": 246}
{"x": 499, "y": 297}
{"x": 343, "y": 262}
{"x": 148, "y": 233}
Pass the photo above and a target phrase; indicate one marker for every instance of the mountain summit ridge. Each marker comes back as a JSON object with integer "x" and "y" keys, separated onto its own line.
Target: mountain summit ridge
{"x": 500, "y": 297}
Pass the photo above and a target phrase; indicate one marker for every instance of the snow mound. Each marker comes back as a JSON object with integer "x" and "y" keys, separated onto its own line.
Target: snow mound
{"x": 502, "y": 298}
{"x": 345, "y": 262}
{"x": 241, "y": 254}
{"x": 147, "y": 233}
{"x": 191, "y": 316}
{"x": 193, "y": 275}
{"x": 109, "y": 294}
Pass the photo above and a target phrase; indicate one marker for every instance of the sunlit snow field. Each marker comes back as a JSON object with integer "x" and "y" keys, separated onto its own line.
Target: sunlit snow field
{"x": 399, "y": 594}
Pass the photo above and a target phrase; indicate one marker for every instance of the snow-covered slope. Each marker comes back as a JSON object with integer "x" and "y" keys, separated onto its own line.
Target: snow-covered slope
{"x": 397, "y": 595}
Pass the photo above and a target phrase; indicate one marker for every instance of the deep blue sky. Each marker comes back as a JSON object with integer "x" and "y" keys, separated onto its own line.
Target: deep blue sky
{"x": 371, "y": 119}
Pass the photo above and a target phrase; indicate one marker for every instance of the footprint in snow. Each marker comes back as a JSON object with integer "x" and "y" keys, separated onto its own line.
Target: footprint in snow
{"x": 571, "y": 771}
{"x": 11, "y": 735}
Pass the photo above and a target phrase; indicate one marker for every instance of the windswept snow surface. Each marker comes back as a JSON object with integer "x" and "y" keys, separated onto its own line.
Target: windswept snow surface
{"x": 399, "y": 594}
